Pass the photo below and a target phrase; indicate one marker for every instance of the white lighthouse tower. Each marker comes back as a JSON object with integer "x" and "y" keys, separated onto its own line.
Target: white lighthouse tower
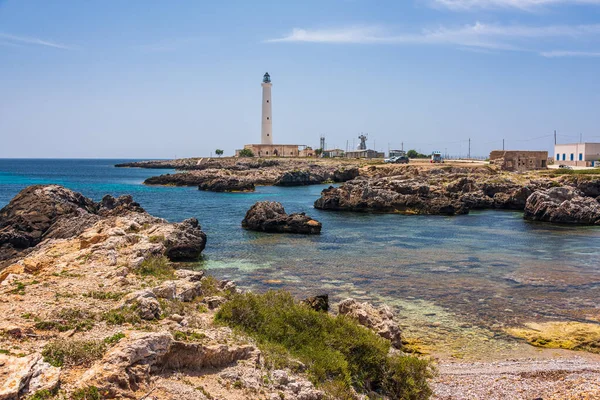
{"x": 267, "y": 117}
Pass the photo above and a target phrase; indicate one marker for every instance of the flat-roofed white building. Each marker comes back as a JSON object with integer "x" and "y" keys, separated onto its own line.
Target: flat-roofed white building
{"x": 577, "y": 154}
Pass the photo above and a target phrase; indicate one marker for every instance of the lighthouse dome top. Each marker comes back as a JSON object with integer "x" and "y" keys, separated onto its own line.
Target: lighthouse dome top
{"x": 267, "y": 78}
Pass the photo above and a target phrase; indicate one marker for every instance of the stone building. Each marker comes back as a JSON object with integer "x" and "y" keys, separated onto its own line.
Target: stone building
{"x": 519, "y": 160}
{"x": 278, "y": 150}
{"x": 364, "y": 154}
{"x": 577, "y": 154}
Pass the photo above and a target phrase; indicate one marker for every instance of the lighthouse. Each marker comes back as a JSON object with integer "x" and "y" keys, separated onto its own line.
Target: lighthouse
{"x": 267, "y": 117}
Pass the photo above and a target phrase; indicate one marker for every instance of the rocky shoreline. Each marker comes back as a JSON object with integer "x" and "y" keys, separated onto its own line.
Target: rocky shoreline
{"x": 233, "y": 175}
{"x": 95, "y": 309}
{"x": 455, "y": 191}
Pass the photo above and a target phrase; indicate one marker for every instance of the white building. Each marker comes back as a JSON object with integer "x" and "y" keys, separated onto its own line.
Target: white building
{"x": 267, "y": 115}
{"x": 577, "y": 154}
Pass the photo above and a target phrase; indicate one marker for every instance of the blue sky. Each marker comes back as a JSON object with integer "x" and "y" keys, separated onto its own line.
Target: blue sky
{"x": 159, "y": 79}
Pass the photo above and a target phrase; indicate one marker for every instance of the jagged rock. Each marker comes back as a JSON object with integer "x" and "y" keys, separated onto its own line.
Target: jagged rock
{"x": 127, "y": 366}
{"x": 192, "y": 276}
{"x": 299, "y": 178}
{"x": 318, "y": 303}
{"x": 110, "y": 206}
{"x": 227, "y": 184}
{"x": 214, "y": 301}
{"x": 270, "y": 216}
{"x": 22, "y": 375}
{"x": 144, "y": 302}
{"x": 42, "y": 211}
{"x": 166, "y": 290}
{"x": 188, "y": 291}
{"x": 380, "y": 320}
{"x": 195, "y": 356}
{"x": 563, "y": 205}
{"x": 186, "y": 242}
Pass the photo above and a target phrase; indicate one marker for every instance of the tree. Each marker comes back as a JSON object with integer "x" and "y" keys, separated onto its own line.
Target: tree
{"x": 412, "y": 154}
{"x": 219, "y": 152}
{"x": 318, "y": 152}
{"x": 246, "y": 153}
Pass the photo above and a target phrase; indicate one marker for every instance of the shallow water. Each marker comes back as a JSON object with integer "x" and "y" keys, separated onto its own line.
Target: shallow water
{"x": 459, "y": 277}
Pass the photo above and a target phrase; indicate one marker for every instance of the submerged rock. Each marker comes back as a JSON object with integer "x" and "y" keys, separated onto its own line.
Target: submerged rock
{"x": 562, "y": 205}
{"x": 270, "y": 216}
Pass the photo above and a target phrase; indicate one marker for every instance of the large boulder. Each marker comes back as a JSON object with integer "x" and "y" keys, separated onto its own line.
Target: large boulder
{"x": 227, "y": 184}
{"x": 39, "y": 212}
{"x": 186, "y": 242}
{"x": 563, "y": 205}
{"x": 380, "y": 320}
{"x": 270, "y": 216}
{"x": 26, "y": 375}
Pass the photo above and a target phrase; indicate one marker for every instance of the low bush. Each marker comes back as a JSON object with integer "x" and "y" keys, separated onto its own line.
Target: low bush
{"x": 158, "y": 267}
{"x": 73, "y": 352}
{"x": 88, "y": 393}
{"x": 126, "y": 315}
{"x": 337, "y": 352}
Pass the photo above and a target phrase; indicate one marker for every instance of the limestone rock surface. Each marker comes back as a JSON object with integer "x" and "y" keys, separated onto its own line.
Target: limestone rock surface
{"x": 563, "y": 205}
{"x": 270, "y": 216}
{"x": 380, "y": 320}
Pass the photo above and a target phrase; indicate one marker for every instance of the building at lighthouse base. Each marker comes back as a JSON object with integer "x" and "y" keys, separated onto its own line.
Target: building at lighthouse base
{"x": 278, "y": 150}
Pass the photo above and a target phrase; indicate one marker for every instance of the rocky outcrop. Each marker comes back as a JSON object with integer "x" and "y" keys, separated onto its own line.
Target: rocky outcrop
{"x": 446, "y": 191}
{"x": 562, "y": 205}
{"x": 41, "y": 212}
{"x": 128, "y": 365}
{"x": 380, "y": 320}
{"x": 227, "y": 184}
{"x": 144, "y": 302}
{"x": 241, "y": 176}
{"x": 270, "y": 216}
{"x": 21, "y": 375}
{"x": 186, "y": 241}
{"x": 38, "y": 212}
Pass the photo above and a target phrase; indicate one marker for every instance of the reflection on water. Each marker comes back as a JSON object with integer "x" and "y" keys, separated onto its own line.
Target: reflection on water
{"x": 463, "y": 277}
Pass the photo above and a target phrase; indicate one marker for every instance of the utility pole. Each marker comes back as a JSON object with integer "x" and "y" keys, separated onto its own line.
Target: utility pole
{"x": 346, "y": 145}
{"x": 469, "y": 155}
{"x": 402, "y": 146}
{"x": 555, "y": 137}
{"x": 502, "y": 144}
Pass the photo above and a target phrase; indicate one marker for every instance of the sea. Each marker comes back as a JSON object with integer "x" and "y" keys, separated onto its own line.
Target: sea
{"x": 455, "y": 280}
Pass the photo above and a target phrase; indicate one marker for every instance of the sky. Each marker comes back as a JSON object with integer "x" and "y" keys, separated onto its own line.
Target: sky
{"x": 164, "y": 79}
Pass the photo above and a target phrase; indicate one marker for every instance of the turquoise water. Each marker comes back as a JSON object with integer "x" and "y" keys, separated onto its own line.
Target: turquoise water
{"x": 487, "y": 269}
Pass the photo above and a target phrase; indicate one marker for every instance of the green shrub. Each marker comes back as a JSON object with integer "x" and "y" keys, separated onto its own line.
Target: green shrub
{"x": 125, "y": 315}
{"x": 100, "y": 295}
{"x": 114, "y": 339}
{"x": 43, "y": 394}
{"x": 73, "y": 352}
{"x": 336, "y": 351}
{"x": 246, "y": 153}
{"x": 156, "y": 266}
{"x": 88, "y": 393}
{"x": 67, "y": 319}
{"x": 156, "y": 239}
{"x": 188, "y": 336}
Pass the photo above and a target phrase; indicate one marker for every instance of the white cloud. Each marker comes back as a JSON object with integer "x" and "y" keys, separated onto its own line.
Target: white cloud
{"x": 566, "y": 53}
{"x": 478, "y": 35}
{"x": 16, "y": 40}
{"x": 459, "y": 5}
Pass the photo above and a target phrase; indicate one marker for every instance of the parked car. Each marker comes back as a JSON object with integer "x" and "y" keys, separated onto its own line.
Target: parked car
{"x": 563, "y": 166}
{"x": 397, "y": 160}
